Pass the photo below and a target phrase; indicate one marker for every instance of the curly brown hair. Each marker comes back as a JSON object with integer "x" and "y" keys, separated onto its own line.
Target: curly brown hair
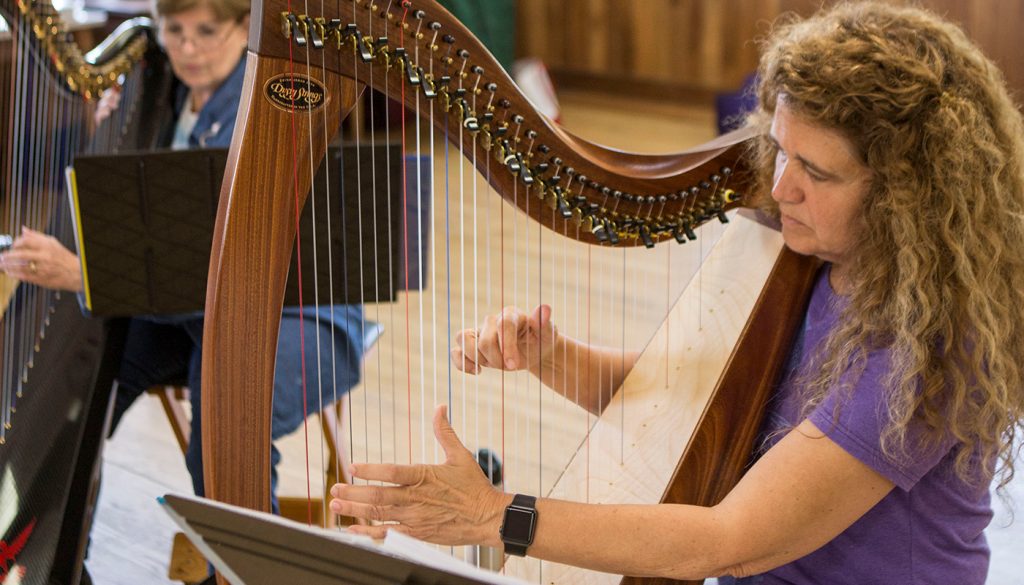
{"x": 939, "y": 275}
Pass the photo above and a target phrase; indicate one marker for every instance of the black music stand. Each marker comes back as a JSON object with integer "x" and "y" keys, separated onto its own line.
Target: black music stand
{"x": 144, "y": 228}
{"x": 256, "y": 548}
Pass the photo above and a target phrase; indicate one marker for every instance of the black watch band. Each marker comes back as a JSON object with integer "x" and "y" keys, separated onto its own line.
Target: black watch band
{"x": 519, "y": 524}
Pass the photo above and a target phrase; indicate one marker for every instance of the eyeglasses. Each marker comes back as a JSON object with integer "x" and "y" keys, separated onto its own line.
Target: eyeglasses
{"x": 207, "y": 36}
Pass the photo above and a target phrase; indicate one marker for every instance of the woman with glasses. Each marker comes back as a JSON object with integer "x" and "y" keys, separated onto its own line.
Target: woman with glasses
{"x": 205, "y": 45}
{"x": 204, "y": 42}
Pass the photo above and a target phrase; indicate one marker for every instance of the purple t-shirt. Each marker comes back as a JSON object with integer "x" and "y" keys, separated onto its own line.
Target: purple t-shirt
{"x": 929, "y": 528}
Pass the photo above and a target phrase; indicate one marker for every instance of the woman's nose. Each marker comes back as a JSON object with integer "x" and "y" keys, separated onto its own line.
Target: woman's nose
{"x": 785, "y": 188}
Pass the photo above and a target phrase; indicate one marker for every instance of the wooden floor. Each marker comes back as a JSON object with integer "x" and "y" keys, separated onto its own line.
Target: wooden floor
{"x": 131, "y": 538}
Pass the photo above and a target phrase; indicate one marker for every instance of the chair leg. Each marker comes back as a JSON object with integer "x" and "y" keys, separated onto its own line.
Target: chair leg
{"x": 331, "y": 420}
{"x": 170, "y": 398}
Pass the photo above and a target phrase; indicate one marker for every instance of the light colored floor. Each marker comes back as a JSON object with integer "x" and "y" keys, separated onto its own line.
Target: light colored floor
{"x": 131, "y": 539}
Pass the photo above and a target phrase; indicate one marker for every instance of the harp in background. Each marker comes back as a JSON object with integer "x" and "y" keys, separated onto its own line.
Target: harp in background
{"x": 578, "y": 219}
{"x": 57, "y": 366}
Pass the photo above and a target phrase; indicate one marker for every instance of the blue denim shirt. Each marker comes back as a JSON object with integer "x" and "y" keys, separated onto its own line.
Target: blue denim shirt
{"x": 216, "y": 121}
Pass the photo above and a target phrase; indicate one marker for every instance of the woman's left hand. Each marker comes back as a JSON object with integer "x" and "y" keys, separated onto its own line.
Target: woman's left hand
{"x": 452, "y": 503}
{"x": 39, "y": 259}
{"x": 108, "y": 104}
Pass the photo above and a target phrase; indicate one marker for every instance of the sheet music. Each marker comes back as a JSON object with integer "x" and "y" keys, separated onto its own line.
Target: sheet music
{"x": 395, "y": 544}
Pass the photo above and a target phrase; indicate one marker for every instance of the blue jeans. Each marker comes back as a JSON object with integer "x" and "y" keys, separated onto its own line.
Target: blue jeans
{"x": 169, "y": 350}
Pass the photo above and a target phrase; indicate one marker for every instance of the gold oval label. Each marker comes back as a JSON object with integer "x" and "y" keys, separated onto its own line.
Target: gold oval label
{"x": 295, "y": 93}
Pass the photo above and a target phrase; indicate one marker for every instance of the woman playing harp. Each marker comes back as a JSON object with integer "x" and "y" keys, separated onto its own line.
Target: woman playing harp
{"x": 892, "y": 152}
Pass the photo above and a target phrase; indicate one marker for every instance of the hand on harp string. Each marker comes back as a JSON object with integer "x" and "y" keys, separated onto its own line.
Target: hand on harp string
{"x": 513, "y": 340}
{"x": 453, "y": 503}
{"x": 40, "y": 259}
{"x": 109, "y": 102}
{"x": 510, "y": 340}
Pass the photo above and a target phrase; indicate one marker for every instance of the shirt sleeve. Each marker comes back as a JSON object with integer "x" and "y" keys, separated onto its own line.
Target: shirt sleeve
{"x": 855, "y": 418}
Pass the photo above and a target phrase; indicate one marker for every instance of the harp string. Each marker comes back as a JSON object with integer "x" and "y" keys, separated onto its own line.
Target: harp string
{"x": 405, "y": 249}
{"x": 461, "y": 169}
{"x": 432, "y": 243}
{"x": 376, "y": 247}
{"x": 359, "y": 269}
{"x": 392, "y": 339}
{"x": 433, "y": 253}
{"x": 316, "y": 289}
{"x": 448, "y": 248}
{"x": 298, "y": 253}
{"x": 324, "y": 464}
{"x": 420, "y": 284}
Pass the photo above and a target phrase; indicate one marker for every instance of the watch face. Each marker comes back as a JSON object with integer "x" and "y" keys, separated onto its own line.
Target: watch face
{"x": 518, "y": 526}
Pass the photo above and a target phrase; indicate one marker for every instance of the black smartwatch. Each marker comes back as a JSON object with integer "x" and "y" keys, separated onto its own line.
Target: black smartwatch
{"x": 519, "y": 523}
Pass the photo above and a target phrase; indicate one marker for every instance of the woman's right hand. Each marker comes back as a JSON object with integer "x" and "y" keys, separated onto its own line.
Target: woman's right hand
{"x": 40, "y": 259}
{"x": 109, "y": 102}
{"x": 510, "y": 340}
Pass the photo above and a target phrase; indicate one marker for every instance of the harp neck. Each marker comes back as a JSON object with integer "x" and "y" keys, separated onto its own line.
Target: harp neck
{"x": 618, "y": 197}
{"x": 86, "y": 75}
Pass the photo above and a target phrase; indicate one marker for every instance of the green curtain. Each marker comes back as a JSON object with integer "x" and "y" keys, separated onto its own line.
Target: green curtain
{"x": 492, "y": 21}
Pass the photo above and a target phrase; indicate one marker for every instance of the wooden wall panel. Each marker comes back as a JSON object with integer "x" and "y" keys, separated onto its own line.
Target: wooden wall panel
{"x": 995, "y": 26}
{"x": 697, "y": 44}
{"x": 697, "y": 48}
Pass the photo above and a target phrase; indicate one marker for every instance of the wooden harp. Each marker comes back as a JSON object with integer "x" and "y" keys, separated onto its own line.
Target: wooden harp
{"x": 601, "y": 197}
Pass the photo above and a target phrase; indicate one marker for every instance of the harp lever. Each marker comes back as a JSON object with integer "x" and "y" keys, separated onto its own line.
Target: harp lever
{"x": 563, "y": 208}
{"x": 688, "y": 230}
{"x": 645, "y": 235}
{"x": 313, "y": 25}
{"x": 365, "y": 51}
{"x": 411, "y": 75}
{"x": 513, "y": 163}
{"x": 427, "y": 85}
{"x": 679, "y": 235}
{"x": 526, "y": 174}
{"x": 296, "y": 30}
{"x": 469, "y": 121}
